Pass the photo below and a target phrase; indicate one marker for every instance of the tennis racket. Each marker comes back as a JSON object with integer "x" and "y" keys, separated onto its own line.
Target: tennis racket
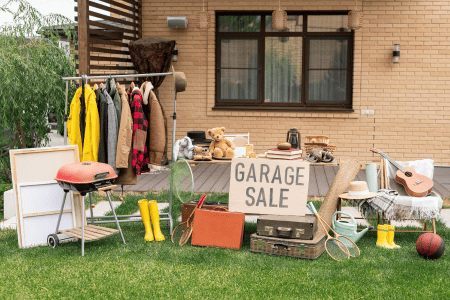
{"x": 335, "y": 248}
{"x": 189, "y": 223}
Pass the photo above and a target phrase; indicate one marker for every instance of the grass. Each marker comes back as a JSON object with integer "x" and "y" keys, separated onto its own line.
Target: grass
{"x": 111, "y": 270}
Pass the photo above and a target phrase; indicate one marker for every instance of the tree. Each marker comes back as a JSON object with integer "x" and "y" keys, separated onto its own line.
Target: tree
{"x": 31, "y": 67}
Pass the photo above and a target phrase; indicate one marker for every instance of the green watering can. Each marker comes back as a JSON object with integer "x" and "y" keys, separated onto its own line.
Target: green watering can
{"x": 348, "y": 229}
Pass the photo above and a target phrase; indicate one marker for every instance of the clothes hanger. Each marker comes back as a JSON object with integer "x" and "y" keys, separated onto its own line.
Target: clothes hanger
{"x": 101, "y": 85}
{"x": 95, "y": 87}
{"x": 132, "y": 85}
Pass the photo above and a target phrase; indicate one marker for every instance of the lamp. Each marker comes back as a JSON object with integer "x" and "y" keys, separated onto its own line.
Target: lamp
{"x": 175, "y": 53}
{"x": 203, "y": 19}
{"x": 355, "y": 18}
{"x": 396, "y": 53}
{"x": 279, "y": 18}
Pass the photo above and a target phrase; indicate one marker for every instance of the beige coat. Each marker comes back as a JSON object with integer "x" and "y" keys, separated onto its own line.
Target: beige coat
{"x": 125, "y": 137}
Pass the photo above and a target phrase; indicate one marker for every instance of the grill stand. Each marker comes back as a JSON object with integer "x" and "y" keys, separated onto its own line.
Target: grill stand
{"x": 93, "y": 232}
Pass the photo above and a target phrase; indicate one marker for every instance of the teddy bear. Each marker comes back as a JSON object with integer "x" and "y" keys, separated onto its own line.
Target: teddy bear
{"x": 221, "y": 146}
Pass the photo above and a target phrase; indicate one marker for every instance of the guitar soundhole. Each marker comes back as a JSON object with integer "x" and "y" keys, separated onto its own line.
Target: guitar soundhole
{"x": 408, "y": 174}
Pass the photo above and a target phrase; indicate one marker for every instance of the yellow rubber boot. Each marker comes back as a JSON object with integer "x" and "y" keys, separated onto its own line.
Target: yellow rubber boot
{"x": 382, "y": 232}
{"x": 154, "y": 213}
{"x": 390, "y": 237}
{"x": 145, "y": 215}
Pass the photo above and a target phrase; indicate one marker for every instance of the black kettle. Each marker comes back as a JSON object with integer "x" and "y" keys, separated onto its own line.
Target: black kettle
{"x": 293, "y": 137}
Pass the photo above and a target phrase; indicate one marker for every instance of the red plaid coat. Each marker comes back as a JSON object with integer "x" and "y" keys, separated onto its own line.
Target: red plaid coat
{"x": 140, "y": 126}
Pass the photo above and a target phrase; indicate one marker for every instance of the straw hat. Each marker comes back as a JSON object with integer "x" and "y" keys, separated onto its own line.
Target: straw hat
{"x": 180, "y": 81}
{"x": 358, "y": 190}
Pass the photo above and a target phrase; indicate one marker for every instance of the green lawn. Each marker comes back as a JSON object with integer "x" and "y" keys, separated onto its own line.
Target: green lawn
{"x": 162, "y": 270}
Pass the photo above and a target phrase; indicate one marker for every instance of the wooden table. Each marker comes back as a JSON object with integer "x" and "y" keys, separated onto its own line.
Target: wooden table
{"x": 228, "y": 161}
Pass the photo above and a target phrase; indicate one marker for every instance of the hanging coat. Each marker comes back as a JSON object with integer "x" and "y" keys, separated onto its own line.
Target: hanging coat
{"x": 125, "y": 137}
{"x": 112, "y": 131}
{"x": 140, "y": 126}
{"x": 103, "y": 113}
{"x": 112, "y": 91}
{"x": 88, "y": 150}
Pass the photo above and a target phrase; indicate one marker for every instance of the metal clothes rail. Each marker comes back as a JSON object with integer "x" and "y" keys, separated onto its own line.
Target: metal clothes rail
{"x": 163, "y": 216}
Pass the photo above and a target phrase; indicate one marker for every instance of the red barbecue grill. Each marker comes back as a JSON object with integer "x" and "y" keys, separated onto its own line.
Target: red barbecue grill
{"x": 85, "y": 177}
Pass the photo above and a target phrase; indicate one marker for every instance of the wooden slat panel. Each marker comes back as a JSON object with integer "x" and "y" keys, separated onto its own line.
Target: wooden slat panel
{"x": 83, "y": 38}
{"x": 204, "y": 177}
{"x": 222, "y": 181}
{"x": 322, "y": 183}
{"x": 155, "y": 183}
{"x": 164, "y": 183}
{"x": 104, "y": 50}
{"x": 102, "y": 58}
{"x": 112, "y": 35}
{"x": 312, "y": 189}
{"x": 100, "y": 67}
{"x": 144, "y": 182}
{"x": 113, "y": 10}
{"x": 100, "y": 41}
{"x": 121, "y": 5}
{"x": 140, "y": 19}
{"x": 103, "y": 228}
{"x": 134, "y": 2}
{"x": 226, "y": 188}
{"x": 93, "y": 234}
{"x": 329, "y": 173}
{"x": 361, "y": 176}
{"x": 45, "y": 213}
{"x": 105, "y": 17}
{"x": 110, "y": 27}
{"x": 77, "y": 233}
{"x": 439, "y": 189}
{"x": 218, "y": 173}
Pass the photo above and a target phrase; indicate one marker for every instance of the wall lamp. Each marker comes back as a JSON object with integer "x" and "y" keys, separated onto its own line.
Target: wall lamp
{"x": 396, "y": 53}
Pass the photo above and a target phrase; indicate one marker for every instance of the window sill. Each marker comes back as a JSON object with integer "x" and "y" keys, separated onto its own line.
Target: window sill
{"x": 287, "y": 109}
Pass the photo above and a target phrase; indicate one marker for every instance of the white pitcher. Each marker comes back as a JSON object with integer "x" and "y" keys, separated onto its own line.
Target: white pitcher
{"x": 372, "y": 177}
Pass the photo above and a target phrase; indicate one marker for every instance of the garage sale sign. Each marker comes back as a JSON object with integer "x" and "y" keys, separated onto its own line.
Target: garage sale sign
{"x": 269, "y": 186}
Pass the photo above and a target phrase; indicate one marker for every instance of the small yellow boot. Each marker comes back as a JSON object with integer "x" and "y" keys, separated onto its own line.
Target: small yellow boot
{"x": 154, "y": 213}
{"x": 390, "y": 237}
{"x": 145, "y": 215}
{"x": 382, "y": 232}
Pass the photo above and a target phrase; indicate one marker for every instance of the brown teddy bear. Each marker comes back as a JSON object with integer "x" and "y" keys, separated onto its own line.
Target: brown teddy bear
{"x": 221, "y": 146}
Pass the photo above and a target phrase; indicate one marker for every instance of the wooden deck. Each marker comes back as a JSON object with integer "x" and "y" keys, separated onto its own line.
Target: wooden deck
{"x": 216, "y": 178}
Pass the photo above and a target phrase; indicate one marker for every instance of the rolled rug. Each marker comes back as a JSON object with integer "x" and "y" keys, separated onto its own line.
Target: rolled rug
{"x": 346, "y": 174}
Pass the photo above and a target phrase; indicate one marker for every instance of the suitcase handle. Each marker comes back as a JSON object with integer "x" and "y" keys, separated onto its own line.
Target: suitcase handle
{"x": 284, "y": 231}
{"x": 275, "y": 247}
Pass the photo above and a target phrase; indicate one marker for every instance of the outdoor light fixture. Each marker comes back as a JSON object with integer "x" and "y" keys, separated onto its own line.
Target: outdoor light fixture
{"x": 355, "y": 18}
{"x": 203, "y": 19}
{"x": 396, "y": 53}
{"x": 279, "y": 18}
{"x": 175, "y": 54}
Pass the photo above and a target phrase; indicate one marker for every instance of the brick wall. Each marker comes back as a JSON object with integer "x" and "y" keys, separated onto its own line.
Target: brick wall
{"x": 409, "y": 99}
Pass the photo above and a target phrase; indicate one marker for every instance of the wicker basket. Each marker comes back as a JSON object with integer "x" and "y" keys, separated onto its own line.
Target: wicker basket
{"x": 203, "y": 20}
{"x": 355, "y": 19}
{"x": 279, "y": 19}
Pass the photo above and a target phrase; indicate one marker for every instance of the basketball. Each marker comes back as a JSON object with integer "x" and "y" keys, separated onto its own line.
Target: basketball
{"x": 430, "y": 245}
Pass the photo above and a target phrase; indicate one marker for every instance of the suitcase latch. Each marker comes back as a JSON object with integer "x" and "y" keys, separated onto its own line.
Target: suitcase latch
{"x": 284, "y": 231}
{"x": 299, "y": 232}
{"x": 269, "y": 229}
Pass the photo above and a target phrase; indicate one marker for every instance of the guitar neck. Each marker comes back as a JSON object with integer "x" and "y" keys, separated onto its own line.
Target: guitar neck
{"x": 397, "y": 165}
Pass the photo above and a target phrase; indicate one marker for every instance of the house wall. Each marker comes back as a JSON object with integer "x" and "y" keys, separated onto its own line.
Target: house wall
{"x": 409, "y": 99}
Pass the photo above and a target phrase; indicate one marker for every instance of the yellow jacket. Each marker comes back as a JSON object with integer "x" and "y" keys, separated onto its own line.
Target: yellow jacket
{"x": 92, "y": 132}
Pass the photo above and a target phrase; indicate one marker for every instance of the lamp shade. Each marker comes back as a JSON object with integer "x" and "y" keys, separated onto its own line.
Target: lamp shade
{"x": 279, "y": 19}
{"x": 355, "y": 19}
{"x": 203, "y": 20}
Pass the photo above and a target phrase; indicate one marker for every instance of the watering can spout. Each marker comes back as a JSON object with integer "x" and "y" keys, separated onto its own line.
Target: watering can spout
{"x": 348, "y": 229}
{"x": 359, "y": 235}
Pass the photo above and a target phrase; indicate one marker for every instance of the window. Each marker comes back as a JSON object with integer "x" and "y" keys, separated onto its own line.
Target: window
{"x": 308, "y": 65}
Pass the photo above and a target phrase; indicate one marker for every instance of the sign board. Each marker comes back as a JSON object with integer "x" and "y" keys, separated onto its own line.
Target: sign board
{"x": 269, "y": 186}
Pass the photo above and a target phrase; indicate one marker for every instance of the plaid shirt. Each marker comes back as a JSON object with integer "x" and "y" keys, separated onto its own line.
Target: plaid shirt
{"x": 139, "y": 122}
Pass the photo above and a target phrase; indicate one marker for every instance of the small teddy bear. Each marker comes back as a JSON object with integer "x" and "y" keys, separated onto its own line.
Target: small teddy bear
{"x": 221, "y": 146}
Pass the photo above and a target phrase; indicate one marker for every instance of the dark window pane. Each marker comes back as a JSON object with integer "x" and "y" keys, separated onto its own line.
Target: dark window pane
{"x": 294, "y": 24}
{"x": 328, "y": 53}
{"x": 328, "y": 23}
{"x": 327, "y": 86}
{"x": 239, "y": 23}
{"x": 241, "y": 53}
{"x": 283, "y": 70}
{"x": 238, "y": 84}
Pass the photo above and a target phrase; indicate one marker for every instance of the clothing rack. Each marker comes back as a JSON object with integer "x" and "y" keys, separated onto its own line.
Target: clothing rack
{"x": 163, "y": 216}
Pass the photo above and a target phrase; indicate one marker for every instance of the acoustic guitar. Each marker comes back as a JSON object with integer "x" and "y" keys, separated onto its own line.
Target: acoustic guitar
{"x": 416, "y": 185}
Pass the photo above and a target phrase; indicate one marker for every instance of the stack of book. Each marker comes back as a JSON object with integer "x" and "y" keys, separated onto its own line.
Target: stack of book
{"x": 284, "y": 154}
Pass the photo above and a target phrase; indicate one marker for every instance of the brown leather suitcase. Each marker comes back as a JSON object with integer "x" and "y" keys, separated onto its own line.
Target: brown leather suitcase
{"x": 288, "y": 227}
{"x": 187, "y": 208}
{"x": 288, "y": 247}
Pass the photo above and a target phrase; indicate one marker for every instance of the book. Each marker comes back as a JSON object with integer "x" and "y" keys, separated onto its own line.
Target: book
{"x": 289, "y": 157}
{"x": 284, "y": 152}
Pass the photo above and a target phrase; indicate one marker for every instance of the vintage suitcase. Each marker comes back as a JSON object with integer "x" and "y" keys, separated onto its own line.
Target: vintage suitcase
{"x": 187, "y": 208}
{"x": 307, "y": 249}
{"x": 293, "y": 227}
{"x": 221, "y": 229}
